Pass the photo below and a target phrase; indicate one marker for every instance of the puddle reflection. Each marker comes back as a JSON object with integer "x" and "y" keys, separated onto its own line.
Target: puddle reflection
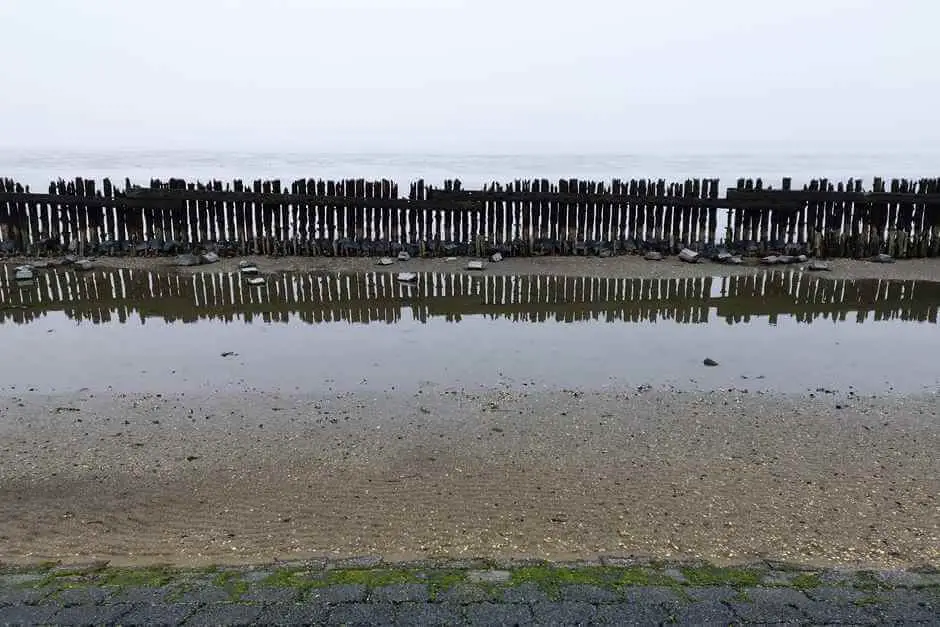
{"x": 103, "y": 296}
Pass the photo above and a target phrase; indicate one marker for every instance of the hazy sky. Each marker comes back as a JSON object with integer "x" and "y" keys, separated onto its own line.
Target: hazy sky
{"x": 465, "y": 75}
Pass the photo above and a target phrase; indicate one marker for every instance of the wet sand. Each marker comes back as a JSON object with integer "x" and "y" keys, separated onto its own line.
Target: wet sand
{"x": 728, "y": 476}
{"x": 626, "y": 266}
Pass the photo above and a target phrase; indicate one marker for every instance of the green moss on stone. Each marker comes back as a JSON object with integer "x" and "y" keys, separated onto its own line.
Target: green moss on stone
{"x": 717, "y": 576}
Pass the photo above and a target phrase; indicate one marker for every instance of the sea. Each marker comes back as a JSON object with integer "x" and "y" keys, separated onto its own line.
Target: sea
{"x": 37, "y": 168}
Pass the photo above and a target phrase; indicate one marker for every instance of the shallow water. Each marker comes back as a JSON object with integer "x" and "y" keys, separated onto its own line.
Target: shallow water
{"x": 130, "y": 330}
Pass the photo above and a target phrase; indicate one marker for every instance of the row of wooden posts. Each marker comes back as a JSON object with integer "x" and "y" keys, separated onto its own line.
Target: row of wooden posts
{"x": 103, "y": 294}
{"x": 360, "y": 217}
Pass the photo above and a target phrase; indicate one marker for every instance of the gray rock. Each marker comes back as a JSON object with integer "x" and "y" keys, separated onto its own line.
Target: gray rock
{"x": 187, "y": 260}
{"x": 688, "y": 255}
{"x": 385, "y": 261}
{"x": 24, "y": 273}
{"x": 653, "y": 256}
{"x": 882, "y": 258}
{"x": 84, "y": 265}
{"x": 770, "y": 260}
{"x": 818, "y": 266}
{"x": 474, "y": 265}
{"x": 496, "y": 257}
{"x": 400, "y": 593}
{"x": 342, "y": 593}
{"x": 710, "y": 362}
{"x": 404, "y": 256}
{"x": 210, "y": 257}
{"x": 255, "y": 280}
{"x": 488, "y": 576}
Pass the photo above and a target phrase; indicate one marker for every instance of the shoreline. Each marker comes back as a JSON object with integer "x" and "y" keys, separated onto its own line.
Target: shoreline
{"x": 624, "y": 266}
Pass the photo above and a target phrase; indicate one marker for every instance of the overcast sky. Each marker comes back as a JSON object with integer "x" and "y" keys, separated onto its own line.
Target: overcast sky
{"x": 465, "y": 75}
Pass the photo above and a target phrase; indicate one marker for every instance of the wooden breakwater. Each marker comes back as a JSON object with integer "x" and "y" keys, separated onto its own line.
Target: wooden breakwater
{"x": 104, "y": 295}
{"x": 533, "y": 217}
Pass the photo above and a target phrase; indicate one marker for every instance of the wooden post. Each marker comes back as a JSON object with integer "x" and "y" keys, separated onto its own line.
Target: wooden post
{"x": 932, "y": 218}
{"x": 713, "y": 211}
{"x": 695, "y": 214}
{"x": 686, "y": 212}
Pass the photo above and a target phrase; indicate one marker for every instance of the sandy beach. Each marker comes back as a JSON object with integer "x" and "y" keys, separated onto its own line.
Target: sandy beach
{"x": 832, "y": 478}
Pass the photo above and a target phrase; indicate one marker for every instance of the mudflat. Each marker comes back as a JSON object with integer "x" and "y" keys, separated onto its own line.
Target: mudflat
{"x": 726, "y": 476}
{"x": 506, "y": 470}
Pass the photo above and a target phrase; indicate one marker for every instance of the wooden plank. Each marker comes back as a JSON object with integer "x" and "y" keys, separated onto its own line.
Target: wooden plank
{"x": 713, "y": 211}
{"x": 688, "y": 190}
{"x": 220, "y": 211}
{"x": 390, "y": 225}
{"x": 414, "y": 226}
{"x": 581, "y": 211}
{"x": 323, "y": 210}
{"x": 695, "y": 213}
{"x": 633, "y": 213}
{"x": 447, "y": 218}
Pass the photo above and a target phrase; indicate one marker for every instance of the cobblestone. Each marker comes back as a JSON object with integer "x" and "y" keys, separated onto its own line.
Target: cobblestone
{"x": 563, "y": 596}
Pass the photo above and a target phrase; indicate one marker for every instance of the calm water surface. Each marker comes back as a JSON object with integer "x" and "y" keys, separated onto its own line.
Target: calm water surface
{"x": 37, "y": 168}
{"x": 152, "y": 331}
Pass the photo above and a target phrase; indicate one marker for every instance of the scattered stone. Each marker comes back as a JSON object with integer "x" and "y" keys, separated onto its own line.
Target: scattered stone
{"x": 385, "y": 261}
{"x": 187, "y": 260}
{"x": 770, "y": 260}
{"x": 404, "y": 256}
{"x": 676, "y": 575}
{"x": 24, "y": 273}
{"x": 407, "y": 277}
{"x": 474, "y": 265}
{"x": 818, "y": 266}
{"x": 229, "y": 354}
{"x": 689, "y": 256}
{"x": 256, "y": 280}
{"x": 69, "y": 260}
{"x": 710, "y": 362}
{"x": 84, "y": 265}
{"x": 496, "y": 257}
{"x": 882, "y": 258}
{"x": 735, "y": 261}
{"x": 248, "y": 268}
{"x": 451, "y": 259}
{"x": 653, "y": 256}
{"x": 801, "y": 258}
{"x": 786, "y": 259}
{"x": 210, "y": 257}
{"x": 358, "y": 561}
